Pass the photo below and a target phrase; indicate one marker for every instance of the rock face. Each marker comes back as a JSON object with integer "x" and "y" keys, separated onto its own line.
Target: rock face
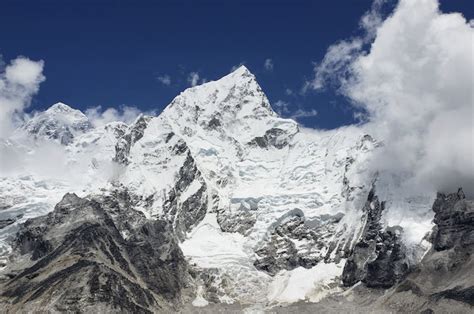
{"x": 182, "y": 216}
{"x": 445, "y": 274}
{"x": 454, "y": 219}
{"x": 94, "y": 254}
{"x": 130, "y": 137}
{"x": 378, "y": 259}
{"x": 295, "y": 242}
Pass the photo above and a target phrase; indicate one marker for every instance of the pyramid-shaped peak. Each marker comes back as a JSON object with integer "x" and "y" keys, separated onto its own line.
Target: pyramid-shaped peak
{"x": 242, "y": 70}
{"x": 239, "y": 74}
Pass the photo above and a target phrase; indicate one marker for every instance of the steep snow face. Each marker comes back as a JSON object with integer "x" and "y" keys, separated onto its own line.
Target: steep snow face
{"x": 253, "y": 172}
{"x": 60, "y": 122}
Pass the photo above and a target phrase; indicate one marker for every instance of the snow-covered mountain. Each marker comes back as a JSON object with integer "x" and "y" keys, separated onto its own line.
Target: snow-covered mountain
{"x": 264, "y": 211}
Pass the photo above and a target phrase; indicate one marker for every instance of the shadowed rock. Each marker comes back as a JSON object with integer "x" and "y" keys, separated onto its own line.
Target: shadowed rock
{"x": 378, "y": 259}
{"x": 94, "y": 254}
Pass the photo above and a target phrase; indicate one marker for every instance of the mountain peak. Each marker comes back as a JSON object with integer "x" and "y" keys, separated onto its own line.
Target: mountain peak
{"x": 60, "y": 107}
{"x": 59, "y": 122}
{"x": 242, "y": 70}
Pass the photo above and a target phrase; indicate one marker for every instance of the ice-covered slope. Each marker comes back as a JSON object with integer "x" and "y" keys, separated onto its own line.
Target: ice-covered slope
{"x": 252, "y": 172}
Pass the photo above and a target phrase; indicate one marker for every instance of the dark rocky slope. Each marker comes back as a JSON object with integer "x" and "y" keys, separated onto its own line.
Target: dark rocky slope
{"x": 378, "y": 259}
{"x": 446, "y": 273}
{"x": 96, "y": 254}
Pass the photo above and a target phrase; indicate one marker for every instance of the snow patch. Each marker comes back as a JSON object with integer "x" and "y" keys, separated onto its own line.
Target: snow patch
{"x": 303, "y": 284}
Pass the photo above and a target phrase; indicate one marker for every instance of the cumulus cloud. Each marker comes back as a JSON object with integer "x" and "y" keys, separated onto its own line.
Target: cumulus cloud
{"x": 164, "y": 79}
{"x": 416, "y": 86}
{"x": 19, "y": 81}
{"x": 268, "y": 64}
{"x": 99, "y": 117}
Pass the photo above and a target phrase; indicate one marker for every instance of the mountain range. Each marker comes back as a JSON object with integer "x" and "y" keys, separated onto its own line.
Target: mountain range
{"x": 219, "y": 204}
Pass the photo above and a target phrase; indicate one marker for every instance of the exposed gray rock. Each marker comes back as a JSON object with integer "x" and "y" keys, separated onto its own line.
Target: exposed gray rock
{"x": 240, "y": 216}
{"x": 274, "y": 137}
{"x": 379, "y": 258}
{"x": 6, "y": 222}
{"x": 454, "y": 219}
{"x": 94, "y": 255}
{"x": 183, "y": 213}
{"x": 445, "y": 274}
{"x": 131, "y": 136}
{"x": 295, "y": 242}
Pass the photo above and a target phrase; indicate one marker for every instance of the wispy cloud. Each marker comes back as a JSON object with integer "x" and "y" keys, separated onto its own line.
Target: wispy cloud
{"x": 268, "y": 64}
{"x": 194, "y": 79}
{"x": 301, "y": 113}
{"x": 334, "y": 67}
{"x": 164, "y": 79}
{"x": 281, "y": 107}
{"x": 285, "y": 109}
{"x": 99, "y": 116}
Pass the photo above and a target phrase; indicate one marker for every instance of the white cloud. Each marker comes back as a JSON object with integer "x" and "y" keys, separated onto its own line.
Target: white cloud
{"x": 301, "y": 113}
{"x": 335, "y": 65}
{"x": 416, "y": 85}
{"x": 289, "y": 91}
{"x": 281, "y": 107}
{"x": 268, "y": 65}
{"x": 194, "y": 79}
{"x": 99, "y": 117}
{"x": 164, "y": 79}
{"x": 18, "y": 83}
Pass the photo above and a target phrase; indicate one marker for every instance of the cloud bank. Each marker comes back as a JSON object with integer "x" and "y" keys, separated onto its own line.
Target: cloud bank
{"x": 415, "y": 86}
{"x": 99, "y": 117}
{"x": 19, "y": 81}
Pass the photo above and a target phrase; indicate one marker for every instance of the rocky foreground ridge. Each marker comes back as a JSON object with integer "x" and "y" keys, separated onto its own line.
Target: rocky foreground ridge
{"x": 100, "y": 254}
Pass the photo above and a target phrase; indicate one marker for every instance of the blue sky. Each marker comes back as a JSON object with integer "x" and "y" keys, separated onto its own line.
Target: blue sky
{"x": 112, "y": 53}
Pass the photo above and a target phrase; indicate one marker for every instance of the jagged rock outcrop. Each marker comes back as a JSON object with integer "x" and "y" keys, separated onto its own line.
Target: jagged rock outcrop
{"x": 445, "y": 274}
{"x": 378, "y": 259}
{"x": 129, "y": 138}
{"x": 240, "y": 216}
{"x": 94, "y": 254}
{"x": 454, "y": 219}
{"x": 187, "y": 201}
{"x": 295, "y": 241}
{"x": 274, "y": 137}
